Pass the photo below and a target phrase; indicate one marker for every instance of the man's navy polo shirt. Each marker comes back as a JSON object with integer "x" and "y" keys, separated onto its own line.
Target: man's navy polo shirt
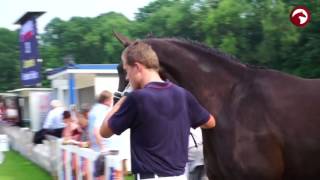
{"x": 160, "y": 116}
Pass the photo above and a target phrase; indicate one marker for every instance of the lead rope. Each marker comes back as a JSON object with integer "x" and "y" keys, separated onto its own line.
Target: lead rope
{"x": 194, "y": 140}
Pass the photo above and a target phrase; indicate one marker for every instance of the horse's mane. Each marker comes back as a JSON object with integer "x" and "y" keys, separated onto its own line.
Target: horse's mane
{"x": 210, "y": 50}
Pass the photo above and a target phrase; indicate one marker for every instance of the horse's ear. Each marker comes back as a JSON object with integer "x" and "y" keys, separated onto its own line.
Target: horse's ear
{"x": 124, "y": 40}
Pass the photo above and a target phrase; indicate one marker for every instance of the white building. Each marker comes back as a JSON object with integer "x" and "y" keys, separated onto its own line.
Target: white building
{"x": 81, "y": 83}
{"x": 33, "y": 105}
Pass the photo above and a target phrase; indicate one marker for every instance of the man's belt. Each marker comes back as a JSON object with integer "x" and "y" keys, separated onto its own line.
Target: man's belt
{"x": 148, "y": 175}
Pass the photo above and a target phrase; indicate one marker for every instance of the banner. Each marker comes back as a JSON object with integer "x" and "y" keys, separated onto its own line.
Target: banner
{"x": 30, "y": 66}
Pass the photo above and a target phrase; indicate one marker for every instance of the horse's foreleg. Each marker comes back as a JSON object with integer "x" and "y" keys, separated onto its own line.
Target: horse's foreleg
{"x": 210, "y": 158}
{"x": 258, "y": 157}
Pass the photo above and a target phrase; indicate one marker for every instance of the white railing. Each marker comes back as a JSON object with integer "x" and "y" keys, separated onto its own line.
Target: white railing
{"x": 67, "y": 154}
{"x": 4, "y": 146}
{"x": 49, "y": 155}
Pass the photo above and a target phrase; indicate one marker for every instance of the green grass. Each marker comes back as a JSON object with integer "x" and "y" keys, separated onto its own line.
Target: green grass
{"x": 16, "y": 167}
{"x": 131, "y": 177}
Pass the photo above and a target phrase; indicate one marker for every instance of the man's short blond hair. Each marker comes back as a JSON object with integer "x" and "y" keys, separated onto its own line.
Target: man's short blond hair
{"x": 142, "y": 53}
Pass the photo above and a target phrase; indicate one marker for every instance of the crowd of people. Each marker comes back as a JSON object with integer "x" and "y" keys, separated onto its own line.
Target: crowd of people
{"x": 158, "y": 113}
{"x": 9, "y": 111}
{"x": 81, "y": 128}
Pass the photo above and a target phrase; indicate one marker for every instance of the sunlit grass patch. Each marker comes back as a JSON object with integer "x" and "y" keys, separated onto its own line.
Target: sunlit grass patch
{"x": 17, "y": 167}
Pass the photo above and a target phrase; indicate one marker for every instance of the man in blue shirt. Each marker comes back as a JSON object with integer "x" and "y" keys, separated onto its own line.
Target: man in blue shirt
{"x": 159, "y": 115}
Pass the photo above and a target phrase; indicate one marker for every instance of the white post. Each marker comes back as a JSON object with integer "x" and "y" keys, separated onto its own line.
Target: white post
{"x": 68, "y": 162}
{"x": 65, "y": 168}
{"x": 79, "y": 167}
{"x": 4, "y": 146}
{"x": 60, "y": 167}
{"x": 113, "y": 166}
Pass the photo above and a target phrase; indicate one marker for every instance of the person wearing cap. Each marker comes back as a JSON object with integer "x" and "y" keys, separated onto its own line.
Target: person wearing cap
{"x": 53, "y": 124}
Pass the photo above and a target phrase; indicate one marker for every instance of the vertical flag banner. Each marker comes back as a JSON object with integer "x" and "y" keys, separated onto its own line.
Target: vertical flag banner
{"x": 29, "y": 55}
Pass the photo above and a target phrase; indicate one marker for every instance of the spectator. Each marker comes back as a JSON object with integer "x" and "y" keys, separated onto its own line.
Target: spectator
{"x": 72, "y": 130}
{"x": 84, "y": 138}
{"x": 74, "y": 113}
{"x": 195, "y": 166}
{"x": 71, "y": 135}
{"x": 2, "y": 111}
{"x": 96, "y": 116}
{"x": 53, "y": 123}
{"x": 83, "y": 123}
{"x": 12, "y": 113}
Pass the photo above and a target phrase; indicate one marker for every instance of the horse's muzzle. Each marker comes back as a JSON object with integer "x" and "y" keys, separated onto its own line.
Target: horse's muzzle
{"x": 118, "y": 94}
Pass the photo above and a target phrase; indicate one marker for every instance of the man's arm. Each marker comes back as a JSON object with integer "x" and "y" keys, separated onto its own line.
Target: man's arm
{"x": 105, "y": 130}
{"x": 210, "y": 123}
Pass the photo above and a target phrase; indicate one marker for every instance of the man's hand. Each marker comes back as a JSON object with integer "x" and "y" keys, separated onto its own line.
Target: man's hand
{"x": 210, "y": 123}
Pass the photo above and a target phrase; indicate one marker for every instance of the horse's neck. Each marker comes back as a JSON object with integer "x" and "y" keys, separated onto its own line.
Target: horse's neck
{"x": 210, "y": 78}
{"x": 212, "y": 88}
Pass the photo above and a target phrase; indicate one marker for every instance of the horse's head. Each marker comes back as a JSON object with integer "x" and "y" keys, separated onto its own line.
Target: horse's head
{"x": 191, "y": 65}
{"x": 123, "y": 83}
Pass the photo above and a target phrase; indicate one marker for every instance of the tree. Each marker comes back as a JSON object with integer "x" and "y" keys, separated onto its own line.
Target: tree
{"x": 257, "y": 32}
{"x": 89, "y": 40}
{"x": 304, "y": 57}
{"x": 9, "y": 58}
{"x": 167, "y": 18}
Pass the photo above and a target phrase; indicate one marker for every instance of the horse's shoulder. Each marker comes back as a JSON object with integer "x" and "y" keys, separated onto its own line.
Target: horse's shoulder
{"x": 253, "y": 89}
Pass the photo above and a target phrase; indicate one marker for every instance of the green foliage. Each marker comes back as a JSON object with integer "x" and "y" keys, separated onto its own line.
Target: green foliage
{"x": 167, "y": 18}
{"x": 88, "y": 40}
{"x": 9, "y": 58}
{"x": 228, "y": 44}
{"x": 257, "y": 32}
{"x": 305, "y": 53}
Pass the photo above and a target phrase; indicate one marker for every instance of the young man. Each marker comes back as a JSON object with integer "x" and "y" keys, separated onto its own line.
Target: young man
{"x": 159, "y": 115}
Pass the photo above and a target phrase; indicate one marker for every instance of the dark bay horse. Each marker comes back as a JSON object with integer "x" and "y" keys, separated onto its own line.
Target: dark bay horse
{"x": 268, "y": 122}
